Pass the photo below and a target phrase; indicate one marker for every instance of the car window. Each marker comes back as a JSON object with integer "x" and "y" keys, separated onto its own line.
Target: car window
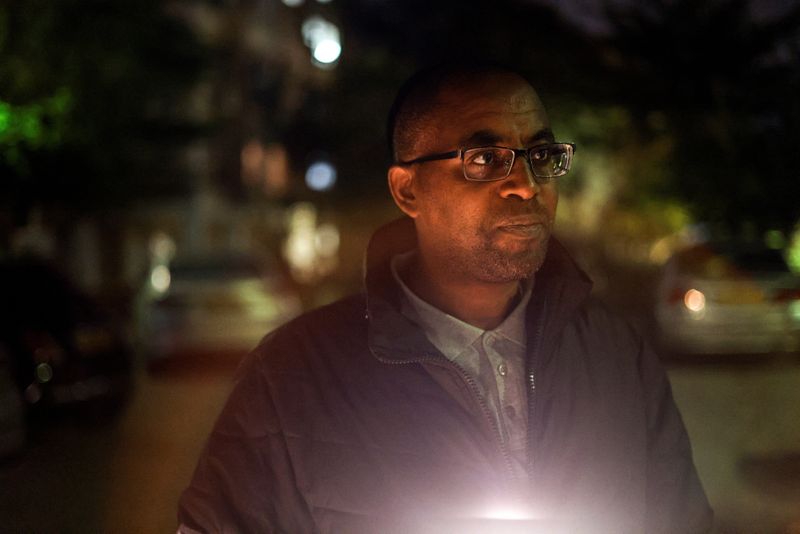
{"x": 216, "y": 269}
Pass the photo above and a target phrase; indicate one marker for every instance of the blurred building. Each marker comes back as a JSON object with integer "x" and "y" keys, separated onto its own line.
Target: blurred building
{"x": 241, "y": 177}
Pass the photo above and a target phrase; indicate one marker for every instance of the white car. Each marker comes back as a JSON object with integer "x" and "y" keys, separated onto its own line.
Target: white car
{"x": 724, "y": 299}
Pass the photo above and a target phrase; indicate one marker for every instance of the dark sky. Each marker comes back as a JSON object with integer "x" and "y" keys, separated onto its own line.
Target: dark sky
{"x": 589, "y": 13}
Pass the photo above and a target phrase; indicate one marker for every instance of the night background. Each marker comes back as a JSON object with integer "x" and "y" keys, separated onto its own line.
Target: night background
{"x": 154, "y": 151}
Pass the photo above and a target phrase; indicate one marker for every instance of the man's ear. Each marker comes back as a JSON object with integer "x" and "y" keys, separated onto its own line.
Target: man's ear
{"x": 402, "y": 184}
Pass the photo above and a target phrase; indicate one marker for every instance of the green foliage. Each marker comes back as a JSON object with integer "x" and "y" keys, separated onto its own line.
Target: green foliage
{"x": 88, "y": 93}
{"x": 33, "y": 126}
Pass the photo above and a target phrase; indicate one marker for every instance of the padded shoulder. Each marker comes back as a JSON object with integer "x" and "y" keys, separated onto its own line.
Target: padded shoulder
{"x": 334, "y": 329}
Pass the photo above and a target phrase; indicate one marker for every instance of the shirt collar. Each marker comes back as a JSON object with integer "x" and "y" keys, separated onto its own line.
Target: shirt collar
{"x": 451, "y": 335}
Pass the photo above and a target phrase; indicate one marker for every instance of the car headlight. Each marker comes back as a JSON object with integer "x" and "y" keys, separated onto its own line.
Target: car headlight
{"x": 694, "y": 300}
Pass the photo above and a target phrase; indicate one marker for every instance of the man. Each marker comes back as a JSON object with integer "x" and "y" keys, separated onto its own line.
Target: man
{"x": 474, "y": 376}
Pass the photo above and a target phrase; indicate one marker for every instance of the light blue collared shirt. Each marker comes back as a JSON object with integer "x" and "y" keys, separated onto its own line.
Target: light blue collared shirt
{"x": 495, "y": 359}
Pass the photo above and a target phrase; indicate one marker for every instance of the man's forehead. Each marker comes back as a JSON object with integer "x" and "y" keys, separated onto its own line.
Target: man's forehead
{"x": 525, "y": 98}
{"x": 504, "y": 91}
{"x": 496, "y": 109}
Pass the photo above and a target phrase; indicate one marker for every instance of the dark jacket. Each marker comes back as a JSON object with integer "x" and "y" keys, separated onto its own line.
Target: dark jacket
{"x": 348, "y": 420}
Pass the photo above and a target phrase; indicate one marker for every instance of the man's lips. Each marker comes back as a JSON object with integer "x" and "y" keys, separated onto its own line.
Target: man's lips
{"x": 524, "y": 227}
{"x": 528, "y": 231}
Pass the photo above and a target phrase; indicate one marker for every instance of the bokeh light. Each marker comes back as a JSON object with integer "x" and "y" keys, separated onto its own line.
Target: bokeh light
{"x": 694, "y": 300}
{"x": 321, "y": 176}
{"x": 327, "y": 51}
{"x": 322, "y": 38}
{"x": 160, "y": 278}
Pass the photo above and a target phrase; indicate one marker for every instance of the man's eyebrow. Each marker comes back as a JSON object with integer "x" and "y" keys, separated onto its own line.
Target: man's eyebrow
{"x": 481, "y": 138}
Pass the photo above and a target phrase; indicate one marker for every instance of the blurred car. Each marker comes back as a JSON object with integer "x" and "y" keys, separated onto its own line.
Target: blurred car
{"x": 728, "y": 299}
{"x": 213, "y": 305}
{"x": 64, "y": 348}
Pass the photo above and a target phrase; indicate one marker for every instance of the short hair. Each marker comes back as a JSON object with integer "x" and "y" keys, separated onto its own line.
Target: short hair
{"x": 416, "y": 99}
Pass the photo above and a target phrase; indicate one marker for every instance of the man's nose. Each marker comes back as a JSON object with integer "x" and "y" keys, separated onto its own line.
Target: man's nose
{"x": 520, "y": 182}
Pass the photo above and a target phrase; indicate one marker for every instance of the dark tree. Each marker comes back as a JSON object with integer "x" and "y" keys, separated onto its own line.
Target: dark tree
{"x": 725, "y": 88}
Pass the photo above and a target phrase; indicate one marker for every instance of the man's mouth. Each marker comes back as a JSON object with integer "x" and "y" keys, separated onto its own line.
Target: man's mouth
{"x": 525, "y": 227}
{"x": 528, "y": 230}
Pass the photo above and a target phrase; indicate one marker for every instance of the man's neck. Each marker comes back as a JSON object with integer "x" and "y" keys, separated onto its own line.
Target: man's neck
{"x": 480, "y": 304}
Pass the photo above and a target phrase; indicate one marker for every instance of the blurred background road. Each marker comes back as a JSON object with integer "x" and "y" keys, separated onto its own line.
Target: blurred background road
{"x": 742, "y": 419}
{"x": 126, "y": 475}
{"x": 123, "y": 475}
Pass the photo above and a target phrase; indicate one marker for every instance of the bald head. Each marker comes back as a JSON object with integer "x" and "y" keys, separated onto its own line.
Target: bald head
{"x": 441, "y": 90}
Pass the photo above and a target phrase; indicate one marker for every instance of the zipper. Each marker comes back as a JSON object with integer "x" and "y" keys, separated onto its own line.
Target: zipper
{"x": 501, "y": 444}
{"x": 537, "y": 342}
{"x": 442, "y": 362}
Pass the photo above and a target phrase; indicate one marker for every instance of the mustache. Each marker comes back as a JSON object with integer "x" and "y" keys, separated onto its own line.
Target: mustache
{"x": 532, "y": 214}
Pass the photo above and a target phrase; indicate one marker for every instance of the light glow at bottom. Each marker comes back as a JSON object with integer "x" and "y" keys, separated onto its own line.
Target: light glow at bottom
{"x": 508, "y": 514}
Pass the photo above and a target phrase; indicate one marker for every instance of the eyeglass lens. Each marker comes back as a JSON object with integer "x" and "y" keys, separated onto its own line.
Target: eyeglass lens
{"x": 494, "y": 163}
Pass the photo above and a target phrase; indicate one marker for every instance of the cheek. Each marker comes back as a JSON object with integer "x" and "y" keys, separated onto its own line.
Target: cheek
{"x": 450, "y": 215}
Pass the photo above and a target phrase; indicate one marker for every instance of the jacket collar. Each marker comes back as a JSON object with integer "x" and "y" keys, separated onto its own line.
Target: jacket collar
{"x": 561, "y": 287}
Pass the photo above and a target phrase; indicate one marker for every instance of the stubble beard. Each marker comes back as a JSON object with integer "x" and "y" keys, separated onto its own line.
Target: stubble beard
{"x": 489, "y": 262}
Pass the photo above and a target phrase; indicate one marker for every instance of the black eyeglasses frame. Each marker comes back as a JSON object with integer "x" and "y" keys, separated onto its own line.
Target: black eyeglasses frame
{"x": 526, "y": 152}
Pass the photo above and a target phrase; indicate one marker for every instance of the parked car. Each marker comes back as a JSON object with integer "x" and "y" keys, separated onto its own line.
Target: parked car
{"x": 728, "y": 299}
{"x": 64, "y": 348}
{"x": 213, "y": 305}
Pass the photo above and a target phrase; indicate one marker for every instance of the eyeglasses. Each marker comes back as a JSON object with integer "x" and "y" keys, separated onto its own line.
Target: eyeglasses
{"x": 490, "y": 163}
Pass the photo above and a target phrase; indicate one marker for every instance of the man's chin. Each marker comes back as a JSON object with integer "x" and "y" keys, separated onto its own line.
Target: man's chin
{"x": 503, "y": 268}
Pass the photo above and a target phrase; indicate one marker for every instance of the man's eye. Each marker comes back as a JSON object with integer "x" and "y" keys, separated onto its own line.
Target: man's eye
{"x": 484, "y": 157}
{"x": 540, "y": 154}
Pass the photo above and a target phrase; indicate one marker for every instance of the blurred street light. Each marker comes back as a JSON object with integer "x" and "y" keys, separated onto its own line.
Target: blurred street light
{"x": 311, "y": 249}
{"x": 321, "y": 176}
{"x": 160, "y": 279}
{"x": 327, "y": 51}
{"x": 322, "y": 38}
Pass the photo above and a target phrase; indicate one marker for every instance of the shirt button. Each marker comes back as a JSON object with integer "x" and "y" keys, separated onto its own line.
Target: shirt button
{"x": 502, "y": 370}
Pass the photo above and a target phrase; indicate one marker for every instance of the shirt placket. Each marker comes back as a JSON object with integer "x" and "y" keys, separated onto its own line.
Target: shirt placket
{"x": 488, "y": 382}
{"x": 502, "y": 356}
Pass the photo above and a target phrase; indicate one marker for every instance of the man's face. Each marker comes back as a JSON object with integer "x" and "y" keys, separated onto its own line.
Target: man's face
{"x": 484, "y": 231}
